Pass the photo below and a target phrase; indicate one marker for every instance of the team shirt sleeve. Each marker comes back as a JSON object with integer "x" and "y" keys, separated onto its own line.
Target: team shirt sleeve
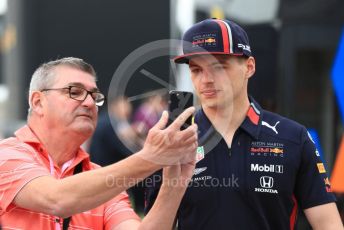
{"x": 312, "y": 183}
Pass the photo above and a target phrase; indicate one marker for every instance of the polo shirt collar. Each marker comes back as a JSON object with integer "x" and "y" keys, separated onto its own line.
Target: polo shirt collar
{"x": 26, "y": 135}
{"x": 252, "y": 122}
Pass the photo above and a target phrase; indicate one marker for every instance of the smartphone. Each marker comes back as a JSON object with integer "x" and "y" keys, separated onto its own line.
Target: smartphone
{"x": 177, "y": 103}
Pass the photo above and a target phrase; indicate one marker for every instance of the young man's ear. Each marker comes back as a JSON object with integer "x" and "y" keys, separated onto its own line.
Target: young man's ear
{"x": 251, "y": 66}
{"x": 36, "y": 102}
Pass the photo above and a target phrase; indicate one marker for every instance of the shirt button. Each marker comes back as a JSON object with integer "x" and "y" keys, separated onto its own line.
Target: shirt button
{"x": 239, "y": 143}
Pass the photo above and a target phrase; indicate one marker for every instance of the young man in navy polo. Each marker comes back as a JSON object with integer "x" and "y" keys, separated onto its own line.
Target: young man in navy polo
{"x": 255, "y": 169}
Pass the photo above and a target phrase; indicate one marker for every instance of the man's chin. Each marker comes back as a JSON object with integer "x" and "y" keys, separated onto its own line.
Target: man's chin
{"x": 86, "y": 130}
{"x": 211, "y": 104}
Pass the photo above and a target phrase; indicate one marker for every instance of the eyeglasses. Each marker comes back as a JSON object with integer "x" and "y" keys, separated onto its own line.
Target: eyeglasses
{"x": 80, "y": 94}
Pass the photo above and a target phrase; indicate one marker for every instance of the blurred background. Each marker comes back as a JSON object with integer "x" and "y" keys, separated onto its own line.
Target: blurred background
{"x": 296, "y": 43}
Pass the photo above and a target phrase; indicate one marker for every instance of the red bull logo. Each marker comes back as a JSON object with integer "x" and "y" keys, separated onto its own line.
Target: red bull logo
{"x": 198, "y": 42}
{"x": 276, "y": 150}
{"x": 327, "y": 185}
{"x": 259, "y": 150}
{"x": 210, "y": 40}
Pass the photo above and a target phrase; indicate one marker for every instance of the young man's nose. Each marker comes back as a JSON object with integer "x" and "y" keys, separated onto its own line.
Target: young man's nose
{"x": 207, "y": 76}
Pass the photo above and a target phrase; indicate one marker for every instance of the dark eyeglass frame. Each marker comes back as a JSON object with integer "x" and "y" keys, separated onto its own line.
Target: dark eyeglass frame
{"x": 97, "y": 96}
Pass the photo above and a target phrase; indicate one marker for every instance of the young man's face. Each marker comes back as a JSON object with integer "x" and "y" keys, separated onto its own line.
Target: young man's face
{"x": 220, "y": 80}
{"x": 66, "y": 114}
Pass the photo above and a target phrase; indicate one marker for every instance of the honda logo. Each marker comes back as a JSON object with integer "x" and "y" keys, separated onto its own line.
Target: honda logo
{"x": 266, "y": 182}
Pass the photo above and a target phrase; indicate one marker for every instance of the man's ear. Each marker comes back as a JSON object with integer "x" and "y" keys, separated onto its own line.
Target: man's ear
{"x": 36, "y": 102}
{"x": 251, "y": 67}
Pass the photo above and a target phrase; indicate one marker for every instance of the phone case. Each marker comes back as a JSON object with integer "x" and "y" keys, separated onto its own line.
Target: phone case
{"x": 178, "y": 102}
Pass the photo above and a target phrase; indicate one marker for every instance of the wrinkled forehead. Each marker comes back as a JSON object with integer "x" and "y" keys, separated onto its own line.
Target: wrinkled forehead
{"x": 68, "y": 75}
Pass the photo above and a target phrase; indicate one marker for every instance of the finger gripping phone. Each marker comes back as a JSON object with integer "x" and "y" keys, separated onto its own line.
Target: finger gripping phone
{"x": 178, "y": 102}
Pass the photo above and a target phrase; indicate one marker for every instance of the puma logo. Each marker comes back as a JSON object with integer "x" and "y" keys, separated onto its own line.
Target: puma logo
{"x": 271, "y": 127}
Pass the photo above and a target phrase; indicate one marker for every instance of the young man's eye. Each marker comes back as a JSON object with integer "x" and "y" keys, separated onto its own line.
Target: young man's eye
{"x": 218, "y": 67}
{"x": 195, "y": 70}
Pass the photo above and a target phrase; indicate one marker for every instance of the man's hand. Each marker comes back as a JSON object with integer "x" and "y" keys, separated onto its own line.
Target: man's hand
{"x": 178, "y": 176}
{"x": 170, "y": 146}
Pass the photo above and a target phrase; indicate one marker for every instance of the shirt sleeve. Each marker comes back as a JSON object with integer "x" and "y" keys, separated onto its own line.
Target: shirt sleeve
{"x": 118, "y": 210}
{"x": 17, "y": 168}
{"x": 312, "y": 183}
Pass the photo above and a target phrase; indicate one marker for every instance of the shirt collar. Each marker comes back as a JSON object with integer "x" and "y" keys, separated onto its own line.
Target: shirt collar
{"x": 26, "y": 135}
{"x": 252, "y": 122}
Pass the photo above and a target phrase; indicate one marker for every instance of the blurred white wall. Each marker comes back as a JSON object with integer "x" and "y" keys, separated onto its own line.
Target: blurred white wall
{"x": 3, "y": 6}
{"x": 185, "y": 18}
{"x": 244, "y": 11}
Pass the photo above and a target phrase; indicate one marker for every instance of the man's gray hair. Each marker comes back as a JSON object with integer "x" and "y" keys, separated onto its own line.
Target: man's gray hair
{"x": 44, "y": 76}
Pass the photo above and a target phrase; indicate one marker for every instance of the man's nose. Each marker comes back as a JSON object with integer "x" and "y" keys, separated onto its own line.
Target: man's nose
{"x": 207, "y": 76}
{"x": 89, "y": 101}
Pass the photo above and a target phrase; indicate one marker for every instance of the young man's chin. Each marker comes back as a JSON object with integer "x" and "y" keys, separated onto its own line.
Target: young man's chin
{"x": 211, "y": 104}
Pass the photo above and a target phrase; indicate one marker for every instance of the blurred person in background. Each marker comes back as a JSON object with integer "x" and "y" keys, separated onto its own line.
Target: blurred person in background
{"x": 114, "y": 138}
{"x": 255, "y": 168}
{"x": 48, "y": 182}
{"x": 145, "y": 117}
{"x": 148, "y": 113}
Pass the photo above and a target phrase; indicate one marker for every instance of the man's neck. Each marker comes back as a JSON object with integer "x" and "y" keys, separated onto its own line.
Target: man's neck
{"x": 60, "y": 146}
{"x": 227, "y": 119}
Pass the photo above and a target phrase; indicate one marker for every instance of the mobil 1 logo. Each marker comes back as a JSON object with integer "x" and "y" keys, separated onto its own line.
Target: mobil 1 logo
{"x": 266, "y": 168}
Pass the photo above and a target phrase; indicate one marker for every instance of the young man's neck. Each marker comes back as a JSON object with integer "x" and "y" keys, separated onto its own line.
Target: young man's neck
{"x": 227, "y": 119}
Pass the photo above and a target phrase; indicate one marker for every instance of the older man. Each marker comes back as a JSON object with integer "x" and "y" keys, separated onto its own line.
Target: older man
{"x": 45, "y": 176}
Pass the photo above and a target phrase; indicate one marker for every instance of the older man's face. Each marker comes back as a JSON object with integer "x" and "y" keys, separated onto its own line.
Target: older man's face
{"x": 66, "y": 114}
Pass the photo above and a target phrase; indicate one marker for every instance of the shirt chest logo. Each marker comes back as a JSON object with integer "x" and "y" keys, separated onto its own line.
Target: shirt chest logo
{"x": 273, "y": 128}
{"x": 266, "y": 185}
{"x": 199, "y": 153}
{"x": 267, "y": 168}
{"x": 267, "y": 149}
{"x": 199, "y": 170}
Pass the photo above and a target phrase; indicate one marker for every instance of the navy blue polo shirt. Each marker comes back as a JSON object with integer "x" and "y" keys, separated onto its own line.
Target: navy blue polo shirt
{"x": 271, "y": 170}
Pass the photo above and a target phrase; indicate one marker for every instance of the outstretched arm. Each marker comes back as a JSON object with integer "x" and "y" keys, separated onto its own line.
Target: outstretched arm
{"x": 87, "y": 190}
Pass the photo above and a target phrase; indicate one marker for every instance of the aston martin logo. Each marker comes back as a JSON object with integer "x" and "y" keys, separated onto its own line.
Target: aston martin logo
{"x": 199, "y": 170}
